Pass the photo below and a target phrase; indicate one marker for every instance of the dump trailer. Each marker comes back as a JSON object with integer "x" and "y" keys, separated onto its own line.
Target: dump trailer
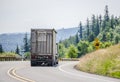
{"x": 44, "y": 50}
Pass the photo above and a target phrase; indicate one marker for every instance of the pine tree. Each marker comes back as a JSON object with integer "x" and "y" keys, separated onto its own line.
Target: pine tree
{"x": 97, "y": 29}
{"x": 106, "y": 16}
{"x": 91, "y": 37}
{"x": 112, "y": 22}
{"x": 116, "y": 21}
{"x": 80, "y": 30}
{"x": 103, "y": 25}
{"x": 100, "y": 22}
{"x": 93, "y": 23}
{"x": 17, "y": 51}
{"x": 1, "y": 49}
{"x": 26, "y": 45}
{"x": 76, "y": 39}
{"x": 117, "y": 39}
{"x": 111, "y": 36}
{"x": 88, "y": 29}
{"x": 104, "y": 38}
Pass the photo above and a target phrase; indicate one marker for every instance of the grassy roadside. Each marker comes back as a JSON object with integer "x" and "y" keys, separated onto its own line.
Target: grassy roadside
{"x": 8, "y": 54}
{"x": 103, "y": 62}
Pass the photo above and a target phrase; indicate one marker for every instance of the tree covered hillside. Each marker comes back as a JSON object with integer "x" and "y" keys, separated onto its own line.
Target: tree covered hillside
{"x": 106, "y": 28}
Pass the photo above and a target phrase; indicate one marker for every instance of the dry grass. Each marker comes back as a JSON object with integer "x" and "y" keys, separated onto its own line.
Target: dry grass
{"x": 103, "y": 62}
{"x": 8, "y": 54}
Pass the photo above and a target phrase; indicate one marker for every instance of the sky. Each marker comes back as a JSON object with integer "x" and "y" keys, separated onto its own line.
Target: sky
{"x": 22, "y": 15}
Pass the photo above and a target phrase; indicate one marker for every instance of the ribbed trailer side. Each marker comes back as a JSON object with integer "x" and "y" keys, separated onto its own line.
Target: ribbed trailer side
{"x": 44, "y": 43}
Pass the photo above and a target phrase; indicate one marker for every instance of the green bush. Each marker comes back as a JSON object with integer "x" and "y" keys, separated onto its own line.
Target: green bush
{"x": 72, "y": 52}
{"x": 61, "y": 51}
{"x": 27, "y": 55}
{"x": 105, "y": 44}
{"x": 82, "y": 48}
{"x": 90, "y": 48}
{"x": 115, "y": 74}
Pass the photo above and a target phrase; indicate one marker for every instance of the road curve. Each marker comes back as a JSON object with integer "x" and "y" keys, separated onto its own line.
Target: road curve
{"x": 64, "y": 72}
{"x": 12, "y": 73}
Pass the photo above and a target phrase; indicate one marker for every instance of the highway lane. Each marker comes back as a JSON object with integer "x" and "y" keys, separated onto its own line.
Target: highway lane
{"x": 64, "y": 72}
{"x": 5, "y": 66}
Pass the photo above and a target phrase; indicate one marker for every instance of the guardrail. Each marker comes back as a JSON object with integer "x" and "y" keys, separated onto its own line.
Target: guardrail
{"x": 69, "y": 59}
{"x": 18, "y": 59}
{"x": 9, "y": 59}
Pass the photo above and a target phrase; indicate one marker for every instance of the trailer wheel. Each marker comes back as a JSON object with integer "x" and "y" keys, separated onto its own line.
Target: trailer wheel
{"x": 52, "y": 63}
{"x": 33, "y": 63}
{"x": 57, "y": 62}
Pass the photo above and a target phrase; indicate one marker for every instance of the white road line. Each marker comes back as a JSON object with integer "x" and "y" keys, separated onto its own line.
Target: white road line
{"x": 60, "y": 68}
{"x": 15, "y": 76}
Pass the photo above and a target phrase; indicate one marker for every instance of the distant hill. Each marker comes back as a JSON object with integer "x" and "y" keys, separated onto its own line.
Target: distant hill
{"x": 66, "y": 33}
{"x": 9, "y": 41}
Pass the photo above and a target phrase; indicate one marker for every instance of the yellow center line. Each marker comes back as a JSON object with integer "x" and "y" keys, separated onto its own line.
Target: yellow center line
{"x": 12, "y": 73}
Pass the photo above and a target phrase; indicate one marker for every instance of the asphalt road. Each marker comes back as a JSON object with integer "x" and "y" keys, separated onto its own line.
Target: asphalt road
{"x": 64, "y": 72}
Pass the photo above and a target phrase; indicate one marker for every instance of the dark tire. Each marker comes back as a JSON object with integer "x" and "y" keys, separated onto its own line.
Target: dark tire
{"x": 52, "y": 63}
{"x": 57, "y": 62}
{"x": 33, "y": 63}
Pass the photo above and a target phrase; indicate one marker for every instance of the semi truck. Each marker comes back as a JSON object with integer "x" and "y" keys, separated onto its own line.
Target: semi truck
{"x": 44, "y": 49}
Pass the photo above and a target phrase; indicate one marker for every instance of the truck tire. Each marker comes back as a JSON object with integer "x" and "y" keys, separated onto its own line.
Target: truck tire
{"x": 33, "y": 63}
{"x": 57, "y": 62}
{"x": 52, "y": 63}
